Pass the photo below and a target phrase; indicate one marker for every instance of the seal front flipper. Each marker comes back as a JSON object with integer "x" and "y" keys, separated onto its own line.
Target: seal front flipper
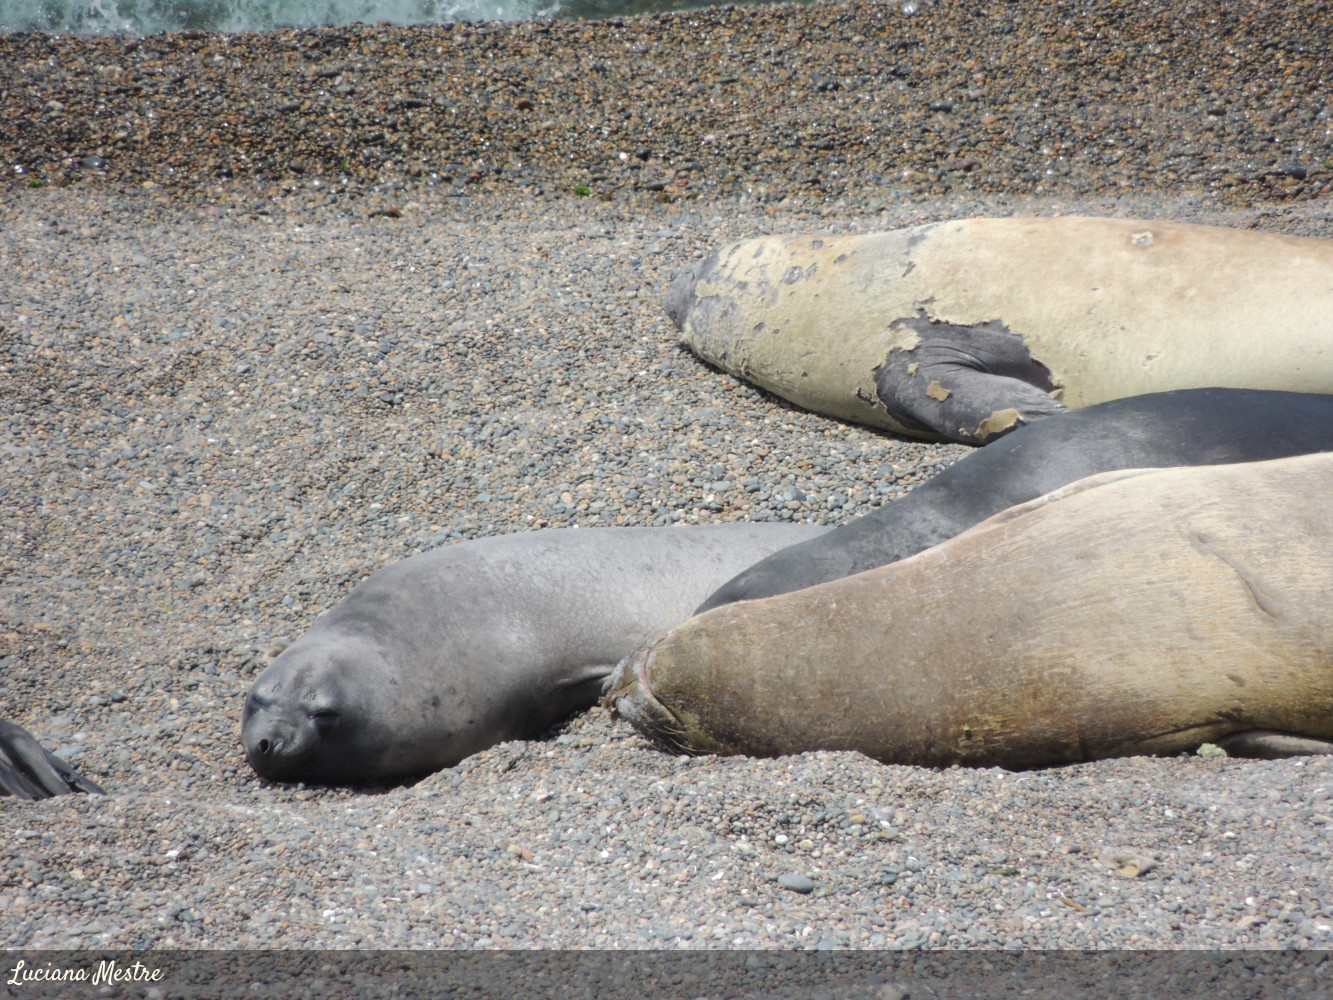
{"x": 1269, "y": 745}
{"x": 967, "y": 383}
{"x": 28, "y": 771}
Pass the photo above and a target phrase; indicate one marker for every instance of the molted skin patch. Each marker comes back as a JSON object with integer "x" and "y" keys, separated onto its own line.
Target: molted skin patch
{"x": 978, "y": 381}
{"x": 999, "y": 422}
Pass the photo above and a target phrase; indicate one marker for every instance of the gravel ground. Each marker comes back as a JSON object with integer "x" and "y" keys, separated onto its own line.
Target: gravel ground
{"x": 228, "y": 399}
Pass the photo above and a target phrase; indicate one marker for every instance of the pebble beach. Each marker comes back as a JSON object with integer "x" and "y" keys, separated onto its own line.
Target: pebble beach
{"x": 279, "y": 309}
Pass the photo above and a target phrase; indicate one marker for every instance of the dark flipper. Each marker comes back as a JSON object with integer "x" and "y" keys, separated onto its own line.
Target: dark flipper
{"x": 30, "y": 772}
{"x": 965, "y": 383}
{"x": 1271, "y": 745}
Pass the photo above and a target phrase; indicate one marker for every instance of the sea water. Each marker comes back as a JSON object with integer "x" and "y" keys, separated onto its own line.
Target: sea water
{"x": 142, "y": 17}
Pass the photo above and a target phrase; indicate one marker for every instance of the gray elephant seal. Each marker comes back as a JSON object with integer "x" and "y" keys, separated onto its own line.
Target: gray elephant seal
{"x": 1185, "y": 427}
{"x": 454, "y": 650}
{"x": 1135, "y": 612}
{"x": 30, "y": 771}
{"x": 965, "y": 330}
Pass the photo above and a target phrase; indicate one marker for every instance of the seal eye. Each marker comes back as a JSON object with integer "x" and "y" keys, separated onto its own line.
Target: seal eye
{"x": 325, "y": 718}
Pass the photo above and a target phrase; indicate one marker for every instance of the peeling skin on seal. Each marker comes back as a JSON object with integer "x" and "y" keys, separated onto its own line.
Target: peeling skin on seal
{"x": 798, "y": 274}
{"x": 999, "y": 422}
{"x": 710, "y": 311}
{"x": 956, "y": 377}
{"x": 681, "y": 298}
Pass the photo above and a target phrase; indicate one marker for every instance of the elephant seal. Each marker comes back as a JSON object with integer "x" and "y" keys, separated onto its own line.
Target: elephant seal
{"x": 1184, "y": 427}
{"x": 1134, "y": 612}
{"x": 29, "y": 771}
{"x": 454, "y": 650}
{"x": 965, "y": 330}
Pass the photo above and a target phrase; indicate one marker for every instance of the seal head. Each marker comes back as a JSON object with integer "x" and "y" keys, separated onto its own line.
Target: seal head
{"x": 680, "y": 298}
{"x": 300, "y": 722}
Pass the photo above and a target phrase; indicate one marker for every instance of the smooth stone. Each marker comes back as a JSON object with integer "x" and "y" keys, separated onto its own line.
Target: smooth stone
{"x": 797, "y": 883}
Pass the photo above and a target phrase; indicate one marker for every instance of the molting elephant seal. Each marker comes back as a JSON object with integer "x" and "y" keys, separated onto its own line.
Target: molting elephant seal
{"x": 965, "y": 330}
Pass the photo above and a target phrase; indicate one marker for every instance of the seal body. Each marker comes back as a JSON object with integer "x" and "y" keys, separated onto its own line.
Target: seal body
{"x": 1185, "y": 427}
{"x": 1135, "y": 612}
{"x": 30, "y": 771}
{"x": 451, "y": 651}
{"x": 965, "y": 330}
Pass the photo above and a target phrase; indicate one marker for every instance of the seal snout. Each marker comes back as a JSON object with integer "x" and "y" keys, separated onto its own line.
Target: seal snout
{"x": 680, "y": 297}
{"x": 281, "y": 744}
{"x": 268, "y": 745}
{"x": 631, "y": 695}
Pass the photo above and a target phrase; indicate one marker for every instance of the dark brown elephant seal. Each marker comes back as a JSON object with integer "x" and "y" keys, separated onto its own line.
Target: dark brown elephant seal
{"x": 1160, "y": 430}
{"x": 1135, "y": 612}
{"x": 964, "y": 330}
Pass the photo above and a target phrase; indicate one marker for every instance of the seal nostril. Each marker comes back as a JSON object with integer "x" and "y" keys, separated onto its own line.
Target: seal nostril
{"x": 264, "y": 747}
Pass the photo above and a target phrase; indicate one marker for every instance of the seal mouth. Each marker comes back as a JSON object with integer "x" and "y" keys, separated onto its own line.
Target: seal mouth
{"x": 630, "y": 695}
{"x": 280, "y": 748}
{"x": 279, "y": 759}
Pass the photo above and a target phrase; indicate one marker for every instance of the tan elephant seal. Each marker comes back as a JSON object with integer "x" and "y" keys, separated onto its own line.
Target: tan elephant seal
{"x": 964, "y": 330}
{"x": 1135, "y": 612}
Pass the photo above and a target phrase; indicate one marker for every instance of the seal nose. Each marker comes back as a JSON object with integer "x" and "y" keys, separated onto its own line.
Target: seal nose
{"x": 269, "y": 748}
{"x": 680, "y": 298}
{"x": 268, "y": 743}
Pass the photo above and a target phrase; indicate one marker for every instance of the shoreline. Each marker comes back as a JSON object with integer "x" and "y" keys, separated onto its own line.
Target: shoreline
{"x": 1060, "y": 100}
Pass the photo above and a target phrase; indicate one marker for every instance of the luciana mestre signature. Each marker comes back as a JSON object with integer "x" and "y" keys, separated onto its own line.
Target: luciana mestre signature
{"x": 108, "y": 971}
